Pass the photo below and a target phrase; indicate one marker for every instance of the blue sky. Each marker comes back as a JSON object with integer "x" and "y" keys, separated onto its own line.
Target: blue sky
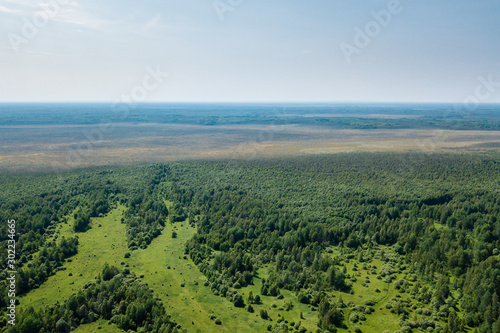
{"x": 250, "y": 50}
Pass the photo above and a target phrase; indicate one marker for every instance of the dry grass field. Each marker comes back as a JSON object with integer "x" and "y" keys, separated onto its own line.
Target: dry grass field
{"x": 69, "y": 147}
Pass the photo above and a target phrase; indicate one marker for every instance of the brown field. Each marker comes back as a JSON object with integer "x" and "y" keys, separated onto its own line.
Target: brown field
{"x": 62, "y": 148}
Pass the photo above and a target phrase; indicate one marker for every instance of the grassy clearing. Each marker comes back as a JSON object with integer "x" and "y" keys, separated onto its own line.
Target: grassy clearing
{"x": 96, "y": 247}
{"x": 382, "y": 317}
{"x": 101, "y": 326}
{"x": 276, "y": 307}
{"x": 192, "y": 304}
{"x": 376, "y": 290}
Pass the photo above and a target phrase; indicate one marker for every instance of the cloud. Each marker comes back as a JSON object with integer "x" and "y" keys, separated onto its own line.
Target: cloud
{"x": 75, "y": 15}
{"x": 4, "y": 9}
{"x": 69, "y": 12}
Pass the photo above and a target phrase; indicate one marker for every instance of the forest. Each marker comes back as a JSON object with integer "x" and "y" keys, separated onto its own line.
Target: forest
{"x": 362, "y": 242}
{"x": 338, "y": 116}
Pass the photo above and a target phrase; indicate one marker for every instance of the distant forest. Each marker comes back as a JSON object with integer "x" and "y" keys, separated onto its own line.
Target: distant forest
{"x": 340, "y": 116}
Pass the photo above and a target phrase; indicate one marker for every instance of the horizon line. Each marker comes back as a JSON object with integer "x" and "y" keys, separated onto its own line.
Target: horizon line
{"x": 249, "y": 102}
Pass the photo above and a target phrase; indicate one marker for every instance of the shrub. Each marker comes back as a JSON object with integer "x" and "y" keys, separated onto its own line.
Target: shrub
{"x": 238, "y": 301}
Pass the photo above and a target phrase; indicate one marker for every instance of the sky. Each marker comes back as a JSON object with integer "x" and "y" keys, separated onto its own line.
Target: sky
{"x": 250, "y": 50}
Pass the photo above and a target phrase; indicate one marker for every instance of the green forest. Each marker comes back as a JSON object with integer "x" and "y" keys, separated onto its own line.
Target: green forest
{"x": 351, "y": 242}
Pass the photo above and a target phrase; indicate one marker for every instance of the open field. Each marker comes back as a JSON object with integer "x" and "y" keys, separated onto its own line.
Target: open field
{"x": 101, "y": 326}
{"x": 63, "y": 148}
{"x": 62, "y": 137}
{"x": 96, "y": 247}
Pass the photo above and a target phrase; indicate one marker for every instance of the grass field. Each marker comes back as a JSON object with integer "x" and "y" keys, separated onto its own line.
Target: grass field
{"x": 381, "y": 317}
{"x": 31, "y": 148}
{"x": 101, "y": 326}
{"x": 96, "y": 247}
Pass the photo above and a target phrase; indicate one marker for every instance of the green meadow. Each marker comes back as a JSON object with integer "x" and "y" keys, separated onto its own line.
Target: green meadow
{"x": 103, "y": 243}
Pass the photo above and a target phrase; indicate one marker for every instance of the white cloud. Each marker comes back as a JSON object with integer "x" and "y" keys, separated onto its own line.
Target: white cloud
{"x": 4, "y": 9}
{"x": 74, "y": 15}
{"x": 69, "y": 12}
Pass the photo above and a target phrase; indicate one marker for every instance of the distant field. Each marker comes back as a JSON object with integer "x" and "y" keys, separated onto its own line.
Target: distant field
{"x": 62, "y": 148}
{"x": 63, "y": 137}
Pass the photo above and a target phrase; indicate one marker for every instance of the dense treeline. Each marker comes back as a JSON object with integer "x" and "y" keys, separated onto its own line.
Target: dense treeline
{"x": 47, "y": 262}
{"x": 116, "y": 296}
{"x": 147, "y": 213}
{"x": 396, "y": 116}
{"x": 145, "y": 220}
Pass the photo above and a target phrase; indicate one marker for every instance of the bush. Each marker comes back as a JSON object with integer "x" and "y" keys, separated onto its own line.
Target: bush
{"x": 62, "y": 326}
{"x": 303, "y": 298}
{"x": 109, "y": 272}
{"x": 238, "y": 301}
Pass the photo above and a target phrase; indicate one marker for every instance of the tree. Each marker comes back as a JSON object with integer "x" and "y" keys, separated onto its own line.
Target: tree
{"x": 250, "y": 297}
{"x": 238, "y": 301}
{"x": 62, "y": 326}
{"x": 263, "y": 314}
